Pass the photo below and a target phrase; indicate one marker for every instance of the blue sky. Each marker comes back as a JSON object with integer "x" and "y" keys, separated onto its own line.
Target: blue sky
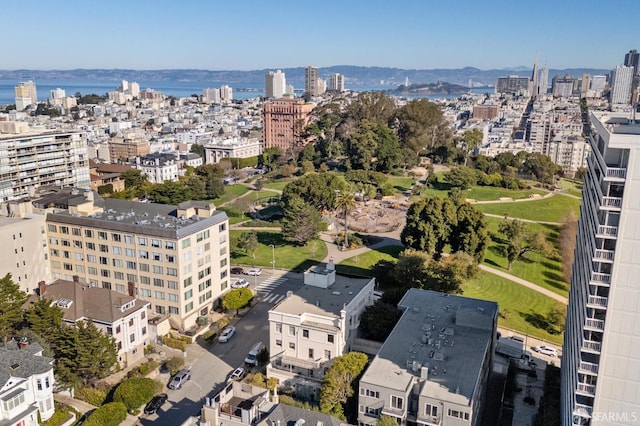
{"x": 260, "y": 34}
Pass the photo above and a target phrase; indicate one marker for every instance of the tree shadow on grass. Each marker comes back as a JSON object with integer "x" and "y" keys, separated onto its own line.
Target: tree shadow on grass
{"x": 492, "y": 263}
{"x": 552, "y": 266}
{"x": 555, "y": 281}
{"x": 539, "y": 321}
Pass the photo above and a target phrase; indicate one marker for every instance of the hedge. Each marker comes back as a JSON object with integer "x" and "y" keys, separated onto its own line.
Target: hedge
{"x": 240, "y": 163}
{"x": 174, "y": 343}
{"x": 136, "y": 391}
{"x": 111, "y": 414}
{"x": 93, "y": 396}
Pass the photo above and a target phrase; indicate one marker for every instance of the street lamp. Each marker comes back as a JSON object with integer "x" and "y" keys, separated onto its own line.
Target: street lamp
{"x": 273, "y": 257}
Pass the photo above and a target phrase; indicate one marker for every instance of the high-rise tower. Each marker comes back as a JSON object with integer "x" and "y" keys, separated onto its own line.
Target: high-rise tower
{"x": 601, "y": 351}
{"x": 534, "y": 79}
{"x": 25, "y": 95}
{"x": 336, "y": 83}
{"x": 621, "y": 85}
{"x": 311, "y": 82}
{"x": 544, "y": 81}
{"x": 632, "y": 59}
{"x": 275, "y": 84}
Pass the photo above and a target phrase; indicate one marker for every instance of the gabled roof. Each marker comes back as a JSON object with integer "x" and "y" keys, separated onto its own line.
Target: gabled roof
{"x": 22, "y": 363}
{"x": 94, "y": 303}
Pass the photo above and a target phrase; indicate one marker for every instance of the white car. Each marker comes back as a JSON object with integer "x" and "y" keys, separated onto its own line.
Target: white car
{"x": 240, "y": 283}
{"x": 546, "y": 350}
{"x": 237, "y": 374}
{"x": 254, "y": 271}
{"x": 226, "y": 334}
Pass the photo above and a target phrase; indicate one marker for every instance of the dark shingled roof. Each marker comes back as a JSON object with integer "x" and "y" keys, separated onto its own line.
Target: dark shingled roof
{"x": 287, "y": 415}
{"x": 23, "y": 363}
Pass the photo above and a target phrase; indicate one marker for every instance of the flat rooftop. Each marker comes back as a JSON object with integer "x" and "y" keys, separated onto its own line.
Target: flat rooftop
{"x": 447, "y": 334}
{"x": 618, "y": 123}
{"x": 151, "y": 219}
{"x": 323, "y": 301}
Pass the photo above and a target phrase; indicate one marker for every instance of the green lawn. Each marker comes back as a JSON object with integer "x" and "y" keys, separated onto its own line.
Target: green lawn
{"x": 541, "y": 270}
{"x": 484, "y": 193}
{"x": 361, "y": 264}
{"x": 287, "y": 256}
{"x": 521, "y": 308}
{"x": 231, "y": 192}
{"x": 400, "y": 183}
{"x": 279, "y": 185}
{"x": 553, "y": 209}
{"x": 571, "y": 187}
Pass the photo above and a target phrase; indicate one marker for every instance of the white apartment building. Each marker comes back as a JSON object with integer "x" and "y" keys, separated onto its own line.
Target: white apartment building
{"x": 118, "y": 315}
{"x": 232, "y": 148}
{"x": 57, "y": 93}
{"x": 336, "y": 82}
{"x": 174, "y": 257}
{"x": 25, "y": 95}
{"x": 601, "y": 352}
{"x": 314, "y": 325}
{"x": 569, "y": 151}
{"x": 26, "y": 384}
{"x": 275, "y": 84}
{"x": 29, "y": 160}
{"x": 434, "y": 367}
{"x": 621, "y": 84}
{"x": 24, "y": 254}
{"x": 158, "y": 168}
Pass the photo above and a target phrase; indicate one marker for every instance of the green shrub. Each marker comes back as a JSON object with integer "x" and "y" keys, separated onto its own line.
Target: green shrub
{"x": 105, "y": 189}
{"x": 111, "y": 414}
{"x": 387, "y": 189}
{"x": 240, "y": 163}
{"x": 143, "y": 369}
{"x": 174, "y": 343}
{"x": 209, "y": 335}
{"x": 222, "y": 323}
{"x": 62, "y": 414}
{"x": 135, "y": 392}
{"x": 174, "y": 364}
{"x": 93, "y": 396}
{"x": 231, "y": 210}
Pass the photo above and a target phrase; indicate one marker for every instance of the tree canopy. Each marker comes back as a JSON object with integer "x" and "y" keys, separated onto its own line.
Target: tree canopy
{"x": 302, "y": 222}
{"x": 11, "y": 301}
{"x": 340, "y": 381}
{"x": 378, "y": 320}
{"x": 237, "y": 298}
{"x": 520, "y": 240}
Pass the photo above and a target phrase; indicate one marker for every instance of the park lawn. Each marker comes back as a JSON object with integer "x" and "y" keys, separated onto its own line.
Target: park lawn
{"x": 231, "y": 192}
{"x": 278, "y": 185}
{"x": 520, "y": 308}
{"x": 552, "y": 209}
{"x": 536, "y": 268}
{"x": 287, "y": 255}
{"x": 488, "y": 193}
{"x": 361, "y": 264}
{"x": 400, "y": 183}
{"x": 264, "y": 193}
{"x": 572, "y": 187}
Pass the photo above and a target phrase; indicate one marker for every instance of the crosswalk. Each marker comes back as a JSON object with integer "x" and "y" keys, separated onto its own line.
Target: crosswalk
{"x": 266, "y": 287}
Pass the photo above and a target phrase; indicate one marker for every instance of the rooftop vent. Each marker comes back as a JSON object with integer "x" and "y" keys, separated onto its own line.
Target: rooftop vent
{"x": 64, "y": 303}
{"x": 335, "y": 293}
{"x": 15, "y": 366}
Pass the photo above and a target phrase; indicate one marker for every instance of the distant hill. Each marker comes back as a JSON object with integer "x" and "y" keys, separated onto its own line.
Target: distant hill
{"x": 356, "y": 76}
{"x": 439, "y": 88}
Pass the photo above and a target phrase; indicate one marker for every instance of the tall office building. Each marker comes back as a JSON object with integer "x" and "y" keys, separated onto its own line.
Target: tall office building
{"x": 544, "y": 81}
{"x": 534, "y": 79}
{"x": 311, "y": 78}
{"x": 25, "y": 95}
{"x": 562, "y": 86}
{"x": 598, "y": 82}
{"x": 585, "y": 83}
{"x": 275, "y": 84}
{"x": 336, "y": 83}
{"x": 512, "y": 85}
{"x": 601, "y": 356}
{"x": 632, "y": 59}
{"x": 621, "y": 85}
{"x": 30, "y": 160}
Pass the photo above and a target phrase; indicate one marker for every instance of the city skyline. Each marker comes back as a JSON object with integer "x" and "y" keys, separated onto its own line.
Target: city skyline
{"x": 242, "y": 35}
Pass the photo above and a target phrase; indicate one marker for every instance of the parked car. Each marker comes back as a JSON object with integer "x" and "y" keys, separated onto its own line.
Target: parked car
{"x": 237, "y": 374}
{"x": 545, "y": 350}
{"x": 179, "y": 379}
{"x": 254, "y": 271}
{"x": 237, "y": 270}
{"x": 155, "y": 403}
{"x": 226, "y": 334}
{"x": 240, "y": 283}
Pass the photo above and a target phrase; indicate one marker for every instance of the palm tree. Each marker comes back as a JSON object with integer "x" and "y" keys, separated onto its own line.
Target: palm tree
{"x": 345, "y": 201}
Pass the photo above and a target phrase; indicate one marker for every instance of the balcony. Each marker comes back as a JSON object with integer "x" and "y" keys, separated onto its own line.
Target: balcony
{"x": 597, "y": 301}
{"x": 615, "y": 173}
{"x": 591, "y": 346}
{"x": 582, "y": 410}
{"x": 585, "y": 389}
{"x": 607, "y": 231}
{"x": 611, "y": 202}
{"x": 588, "y": 368}
{"x": 600, "y": 278}
{"x": 594, "y": 324}
{"x": 601, "y": 254}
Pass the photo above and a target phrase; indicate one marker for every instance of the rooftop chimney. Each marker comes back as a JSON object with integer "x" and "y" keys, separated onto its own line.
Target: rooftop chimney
{"x": 330, "y": 265}
{"x": 76, "y": 279}
{"x": 42, "y": 288}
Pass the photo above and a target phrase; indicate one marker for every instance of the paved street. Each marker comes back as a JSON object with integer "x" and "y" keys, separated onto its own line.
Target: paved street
{"x": 210, "y": 364}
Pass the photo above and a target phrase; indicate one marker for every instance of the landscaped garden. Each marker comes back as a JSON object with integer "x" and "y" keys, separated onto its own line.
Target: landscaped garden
{"x": 231, "y": 192}
{"x": 287, "y": 255}
{"x": 361, "y": 264}
{"x": 521, "y": 308}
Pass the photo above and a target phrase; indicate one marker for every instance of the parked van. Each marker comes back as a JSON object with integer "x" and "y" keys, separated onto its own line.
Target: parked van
{"x": 252, "y": 356}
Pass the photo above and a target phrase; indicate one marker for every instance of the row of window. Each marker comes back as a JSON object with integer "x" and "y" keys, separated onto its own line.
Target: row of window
{"x": 305, "y": 332}
{"x": 397, "y": 402}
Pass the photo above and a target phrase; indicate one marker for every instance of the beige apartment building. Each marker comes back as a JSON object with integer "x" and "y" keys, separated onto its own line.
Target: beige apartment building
{"x": 284, "y": 120}
{"x": 127, "y": 149}
{"x": 174, "y": 257}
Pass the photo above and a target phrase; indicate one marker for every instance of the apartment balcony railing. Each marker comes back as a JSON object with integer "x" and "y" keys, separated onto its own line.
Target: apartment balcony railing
{"x": 585, "y": 389}
{"x": 597, "y": 301}
{"x": 607, "y": 231}
{"x": 588, "y": 367}
{"x": 614, "y": 202}
{"x": 583, "y": 411}
{"x": 601, "y": 254}
{"x": 591, "y": 346}
{"x": 594, "y": 324}
{"x": 616, "y": 173}
{"x": 600, "y": 278}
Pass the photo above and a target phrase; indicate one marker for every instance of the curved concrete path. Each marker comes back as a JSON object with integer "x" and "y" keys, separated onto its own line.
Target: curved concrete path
{"x": 525, "y": 283}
